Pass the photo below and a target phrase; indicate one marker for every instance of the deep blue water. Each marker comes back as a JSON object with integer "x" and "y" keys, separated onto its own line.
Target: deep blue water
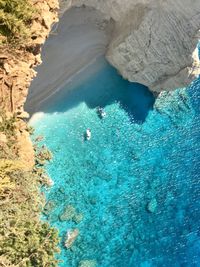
{"x": 143, "y": 153}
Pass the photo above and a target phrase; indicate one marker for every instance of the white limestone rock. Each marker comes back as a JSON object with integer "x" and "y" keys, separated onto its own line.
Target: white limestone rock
{"x": 154, "y": 41}
{"x": 156, "y": 48}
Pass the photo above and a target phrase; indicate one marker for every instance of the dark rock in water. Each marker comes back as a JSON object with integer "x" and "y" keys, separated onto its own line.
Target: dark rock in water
{"x": 50, "y": 205}
{"x": 68, "y": 213}
{"x": 106, "y": 177}
{"x": 92, "y": 200}
{"x": 78, "y": 217}
{"x": 152, "y": 205}
{"x": 61, "y": 190}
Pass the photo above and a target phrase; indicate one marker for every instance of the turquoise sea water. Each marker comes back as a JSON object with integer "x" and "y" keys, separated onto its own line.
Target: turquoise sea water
{"x": 135, "y": 183}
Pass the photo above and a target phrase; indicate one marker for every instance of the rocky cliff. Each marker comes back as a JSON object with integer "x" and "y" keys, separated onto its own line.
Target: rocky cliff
{"x": 154, "y": 41}
{"x": 17, "y": 63}
{"x": 16, "y": 73}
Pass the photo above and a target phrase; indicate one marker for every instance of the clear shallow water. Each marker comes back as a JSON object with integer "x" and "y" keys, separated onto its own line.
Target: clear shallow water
{"x": 136, "y": 156}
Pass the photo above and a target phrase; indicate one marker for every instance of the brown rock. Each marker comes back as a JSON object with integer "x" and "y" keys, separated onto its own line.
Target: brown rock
{"x": 23, "y": 115}
{"x": 3, "y": 138}
{"x": 25, "y": 149}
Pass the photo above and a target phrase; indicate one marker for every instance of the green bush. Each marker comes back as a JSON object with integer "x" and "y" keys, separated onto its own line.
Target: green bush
{"x": 7, "y": 125}
{"x": 25, "y": 240}
{"x": 15, "y": 19}
{"x": 29, "y": 244}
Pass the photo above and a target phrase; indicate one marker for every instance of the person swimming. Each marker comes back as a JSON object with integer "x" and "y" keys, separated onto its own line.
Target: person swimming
{"x": 101, "y": 112}
{"x": 88, "y": 134}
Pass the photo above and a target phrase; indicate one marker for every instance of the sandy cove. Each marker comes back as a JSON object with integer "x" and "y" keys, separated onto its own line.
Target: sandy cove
{"x": 75, "y": 43}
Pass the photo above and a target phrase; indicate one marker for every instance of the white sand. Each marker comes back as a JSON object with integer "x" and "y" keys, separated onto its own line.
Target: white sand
{"x": 75, "y": 43}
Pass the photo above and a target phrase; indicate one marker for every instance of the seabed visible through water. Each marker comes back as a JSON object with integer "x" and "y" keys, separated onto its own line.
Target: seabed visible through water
{"x": 133, "y": 190}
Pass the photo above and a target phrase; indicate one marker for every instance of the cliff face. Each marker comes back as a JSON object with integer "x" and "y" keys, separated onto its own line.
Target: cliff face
{"x": 16, "y": 73}
{"x": 35, "y": 242}
{"x": 154, "y": 41}
{"x": 16, "y": 64}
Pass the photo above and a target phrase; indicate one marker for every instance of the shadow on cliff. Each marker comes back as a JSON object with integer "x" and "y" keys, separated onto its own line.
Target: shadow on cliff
{"x": 102, "y": 89}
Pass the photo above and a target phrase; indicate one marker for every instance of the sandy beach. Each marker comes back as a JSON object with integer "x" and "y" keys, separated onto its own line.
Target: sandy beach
{"x": 74, "y": 46}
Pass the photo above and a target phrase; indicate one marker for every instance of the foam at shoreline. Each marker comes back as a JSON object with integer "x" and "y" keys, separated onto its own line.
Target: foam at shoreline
{"x": 36, "y": 117}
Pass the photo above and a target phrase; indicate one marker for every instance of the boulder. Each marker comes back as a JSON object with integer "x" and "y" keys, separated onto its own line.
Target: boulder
{"x": 87, "y": 263}
{"x": 68, "y": 213}
{"x": 71, "y": 237}
{"x": 78, "y": 217}
{"x": 152, "y": 205}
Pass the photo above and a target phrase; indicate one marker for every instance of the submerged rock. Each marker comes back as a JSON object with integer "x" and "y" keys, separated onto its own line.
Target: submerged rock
{"x": 152, "y": 205}
{"x": 68, "y": 213}
{"x": 92, "y": 200}
{"x": 78, "y": 217}
{"x": 53, "y": 218}
{"x": 71, "y": 237}
{"x": 50, "y": 205}
{"x": 61, "y": 190}
{"x": 87, "y": 263}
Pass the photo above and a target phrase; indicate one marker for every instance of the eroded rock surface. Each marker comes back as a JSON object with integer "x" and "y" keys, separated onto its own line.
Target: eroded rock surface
{"x": 154, "y": 41}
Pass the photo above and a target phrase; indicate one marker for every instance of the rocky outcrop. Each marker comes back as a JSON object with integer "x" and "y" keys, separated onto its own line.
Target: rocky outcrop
{"x": 16, "y": 74}
{"x": 154, "y": 41}
{"x": 16, "y": 65}
{"x": 71, "y": 237}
